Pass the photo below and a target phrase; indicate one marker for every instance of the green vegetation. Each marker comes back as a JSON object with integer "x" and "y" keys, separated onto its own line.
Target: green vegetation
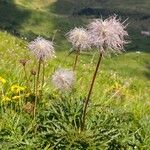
{"x": 121, "y": 98}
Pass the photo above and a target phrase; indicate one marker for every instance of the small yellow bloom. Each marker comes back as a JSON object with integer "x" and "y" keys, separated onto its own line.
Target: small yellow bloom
{"x": 27, "y": 94}
{"x": 17, "y": 89}
{"x": 5, "y": 99}
{"x": 16, "y": 97}
{"x": 2, "y": 80}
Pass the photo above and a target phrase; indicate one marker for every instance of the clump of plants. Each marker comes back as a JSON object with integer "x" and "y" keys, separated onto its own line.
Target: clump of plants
{"x": 63, "y": 121}
{"x": 59, "y": 127}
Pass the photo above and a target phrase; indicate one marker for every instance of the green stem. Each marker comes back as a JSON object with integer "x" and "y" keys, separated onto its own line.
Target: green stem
{"x": 2, "y": 105}
{"x": 26, "y": 78}
{"x": 90, "y": 92}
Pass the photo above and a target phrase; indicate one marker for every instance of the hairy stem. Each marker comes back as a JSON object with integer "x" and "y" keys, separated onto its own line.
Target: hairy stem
{"x": 34, "y": 85}
{"x": 90, "y": 92}
{"x": 37, "y": 86}
{"x": 43, "y": 75}
{"x": 26, "y": 78}
{"x": 76, "y": 59}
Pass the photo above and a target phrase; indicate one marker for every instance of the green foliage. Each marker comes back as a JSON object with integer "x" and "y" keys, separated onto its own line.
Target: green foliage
{"x": 58, "y": 124}
{"x": 15, "y": 130}
{"x": 118, "y": 117}
{"x": 59, "y": 127}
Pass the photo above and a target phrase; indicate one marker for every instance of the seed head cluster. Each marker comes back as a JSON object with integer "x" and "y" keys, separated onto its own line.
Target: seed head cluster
{"x": 42, "y": 48}
{"x": 63, "y": 79}
{"x": 108, "y": 34}
{"x": 79, "y": 38}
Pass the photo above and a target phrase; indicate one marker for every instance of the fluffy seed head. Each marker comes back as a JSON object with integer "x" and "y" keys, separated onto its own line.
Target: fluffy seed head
{"x": 63, "y": 79}
{"x": 42, "y": 48}
{"x": 79, "y": 38}
{"x": 108, "y": 34}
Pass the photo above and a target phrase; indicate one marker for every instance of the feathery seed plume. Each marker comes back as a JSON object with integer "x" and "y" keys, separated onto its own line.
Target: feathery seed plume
{"x": 79, "y": 38}
{"x": 108, "y": 34}
{"x": 63, "y": 79}
{"x": 42, "y": 48}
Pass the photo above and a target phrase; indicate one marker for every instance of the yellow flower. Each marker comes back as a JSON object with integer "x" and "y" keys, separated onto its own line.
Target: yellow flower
{"x": 17, "y": 89}
{"x": 120, "y": 90}
{"x": 2, "y": 80}
{"x": 27, "y": 94}
{"x": 116, "y": 86}
{"x": 16, "y": 97}
{"x": 5, "y": 99}
{"x": 47, "y": 104}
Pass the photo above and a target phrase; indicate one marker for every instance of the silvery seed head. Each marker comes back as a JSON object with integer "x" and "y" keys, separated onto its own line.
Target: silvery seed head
{"x": 42, "y": 48}
{"x": 79, "y": 38}
{"x": 63, "y": 79}
{"x": 108, "y": 34}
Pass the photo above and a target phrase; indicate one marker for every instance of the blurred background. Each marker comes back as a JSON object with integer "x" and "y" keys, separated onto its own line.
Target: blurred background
{"x": 31, "y": 18}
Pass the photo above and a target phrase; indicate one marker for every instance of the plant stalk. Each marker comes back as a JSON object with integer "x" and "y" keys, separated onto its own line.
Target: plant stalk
{"x": 37, "y": 85}
{"x": 26, "y": 78}
{"x": 76, "y": 59}
{"x": 43, "y": 76}
{"x": 34, "y": 84}
{"x": 90, "y": 92}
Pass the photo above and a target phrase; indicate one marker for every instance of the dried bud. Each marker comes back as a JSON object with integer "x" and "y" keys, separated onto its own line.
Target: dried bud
{"x": 33, "y": 72}
{"x": 28, "y": 108}
{"x": 23, "y": 61}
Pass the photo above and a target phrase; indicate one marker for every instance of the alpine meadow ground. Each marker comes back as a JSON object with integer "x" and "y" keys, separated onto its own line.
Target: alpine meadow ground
{"x": 42, "y": 100}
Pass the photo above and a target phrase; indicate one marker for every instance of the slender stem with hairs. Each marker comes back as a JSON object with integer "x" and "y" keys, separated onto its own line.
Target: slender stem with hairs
{"x": 76, "y": 59}
{"x": 26, "y": 78}
{"x": 34, "y": 85}
{"x": 43, "y": 75}
{"x": 90, "y": 92}
{"x": 54, "y": 36}
{"x": 37, "y": 85}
